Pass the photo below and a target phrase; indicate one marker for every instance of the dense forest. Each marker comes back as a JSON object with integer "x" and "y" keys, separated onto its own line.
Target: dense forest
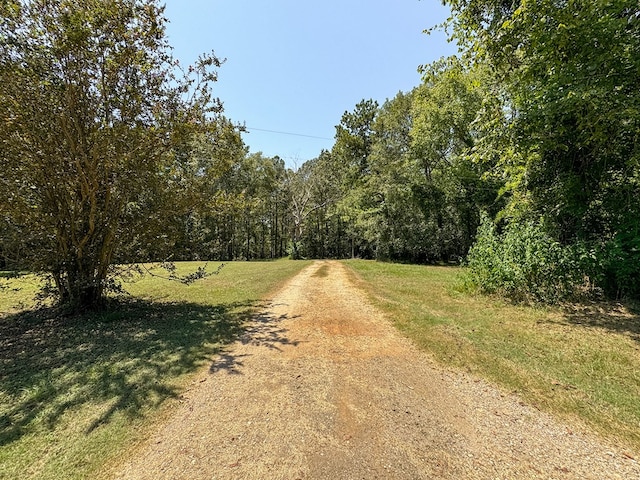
{"x": 518, "y": 157}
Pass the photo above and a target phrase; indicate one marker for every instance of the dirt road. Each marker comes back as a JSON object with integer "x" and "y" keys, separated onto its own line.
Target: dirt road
{"x": 321, "y": 386}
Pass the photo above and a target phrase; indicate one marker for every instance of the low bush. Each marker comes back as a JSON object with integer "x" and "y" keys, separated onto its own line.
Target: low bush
{"x": 523, "y": 263}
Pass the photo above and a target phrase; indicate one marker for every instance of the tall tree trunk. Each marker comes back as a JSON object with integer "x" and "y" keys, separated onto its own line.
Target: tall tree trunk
{"x": 80, "y": 288}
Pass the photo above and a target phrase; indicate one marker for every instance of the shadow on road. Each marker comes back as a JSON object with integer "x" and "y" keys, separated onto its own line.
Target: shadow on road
{"x": 265, "y": 330}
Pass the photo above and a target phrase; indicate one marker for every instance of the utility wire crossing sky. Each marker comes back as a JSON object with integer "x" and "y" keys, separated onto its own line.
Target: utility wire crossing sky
{"x": 293, "y": 68}
{"x": 288, "y": 133}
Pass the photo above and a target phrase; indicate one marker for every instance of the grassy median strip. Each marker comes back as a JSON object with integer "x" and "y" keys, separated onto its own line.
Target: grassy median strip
{"x": 75, "y": 391}
{"x": 580, "y": 362}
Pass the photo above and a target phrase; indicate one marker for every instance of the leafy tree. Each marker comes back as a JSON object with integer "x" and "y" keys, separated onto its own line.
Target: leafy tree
{"x": 95, "y": 113}
{"x": 350, "y": 158}
{"x": 568, "y": 145}
{"x": 401, "y": 182}
{"x": 242, "y": 208}
{"x": 455, "y": 185}
{"x": 200, "y": 193}
{"x": 262, "y": 181}
{"x": 395, "y": 222}
{"x": 354, "y": 137}
{"x": 316, "y": 224}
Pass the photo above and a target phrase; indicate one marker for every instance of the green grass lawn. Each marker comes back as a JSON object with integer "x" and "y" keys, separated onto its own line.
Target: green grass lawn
{"x": 579, "y": 362}
{"x": 17, "y": 291}
{"x": 77, "y": 391}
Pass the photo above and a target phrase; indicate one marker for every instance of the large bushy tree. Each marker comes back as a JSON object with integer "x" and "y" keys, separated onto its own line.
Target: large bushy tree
{"x": 568, "y": 130}
{"x": 94, "y": 112}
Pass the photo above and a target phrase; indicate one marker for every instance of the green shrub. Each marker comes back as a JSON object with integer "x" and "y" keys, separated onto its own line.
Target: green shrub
{"x": 614, "y": 265}
{"x": 522, "y": 263}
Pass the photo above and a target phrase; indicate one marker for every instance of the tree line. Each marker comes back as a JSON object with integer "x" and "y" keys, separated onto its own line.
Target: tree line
{"x": 519, "y": 156}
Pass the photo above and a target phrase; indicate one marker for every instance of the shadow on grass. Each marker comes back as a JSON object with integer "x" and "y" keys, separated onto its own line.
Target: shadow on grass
{"x": 11, "y": 274}
{"x": 615, "y": 317}
{"x": 123, "y": 360}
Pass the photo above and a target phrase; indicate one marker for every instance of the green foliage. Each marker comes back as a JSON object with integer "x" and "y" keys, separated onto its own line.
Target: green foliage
{"x": 614, "y": 265}
{"x": 240, "y": 211}
{"x": 354, "y": 138}
{"x": 523, "y": 263}
{"x": 456, "y": 186}
{"x": 102, "y": 134}
{"x": 95, "y": 116}
{"x": 320, "y": 226}
{"x": 401, "y": 182}
{"x": 562, "y": 128}
{"x": 351, "y": 157}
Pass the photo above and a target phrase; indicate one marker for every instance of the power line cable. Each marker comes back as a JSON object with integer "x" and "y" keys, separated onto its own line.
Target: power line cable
{"x": 287, "y": 133}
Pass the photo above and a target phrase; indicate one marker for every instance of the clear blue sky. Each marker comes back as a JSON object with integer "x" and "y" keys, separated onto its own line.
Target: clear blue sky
{"x": 296, "y": 66}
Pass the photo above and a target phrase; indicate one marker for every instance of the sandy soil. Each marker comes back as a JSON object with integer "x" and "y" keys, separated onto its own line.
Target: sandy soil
{"x": 321, "y": 386}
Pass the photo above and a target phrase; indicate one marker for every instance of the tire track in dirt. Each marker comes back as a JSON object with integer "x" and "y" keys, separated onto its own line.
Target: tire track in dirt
{"x": 321, "y": 386}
